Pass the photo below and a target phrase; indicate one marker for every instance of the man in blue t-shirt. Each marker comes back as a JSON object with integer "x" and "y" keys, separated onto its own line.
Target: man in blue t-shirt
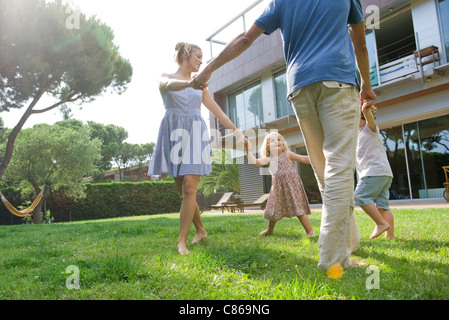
{"x": 323, "y": 42}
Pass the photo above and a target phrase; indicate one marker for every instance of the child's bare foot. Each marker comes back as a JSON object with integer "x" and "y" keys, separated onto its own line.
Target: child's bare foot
{"x": 199, "y": 236}
{"x": 356, "y": 264}
{"x": 266, "y": 232}
{"x": 379, "y": 229}
{"x": 310, "y": 235}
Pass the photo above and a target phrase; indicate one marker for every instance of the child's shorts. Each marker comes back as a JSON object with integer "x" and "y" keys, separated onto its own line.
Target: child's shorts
{"x": 373, "y": 190}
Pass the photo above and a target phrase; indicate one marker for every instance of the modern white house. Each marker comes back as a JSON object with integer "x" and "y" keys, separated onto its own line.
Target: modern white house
{"x": 408, "y": 43}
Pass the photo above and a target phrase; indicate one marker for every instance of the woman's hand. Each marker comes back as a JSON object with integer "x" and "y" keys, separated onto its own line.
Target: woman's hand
{"x": 197, "y": 85}
{"x": 247, "y": 146}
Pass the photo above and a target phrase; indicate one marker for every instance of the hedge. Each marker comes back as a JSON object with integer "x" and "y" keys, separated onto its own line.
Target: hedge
{"x": 112, "y": 200}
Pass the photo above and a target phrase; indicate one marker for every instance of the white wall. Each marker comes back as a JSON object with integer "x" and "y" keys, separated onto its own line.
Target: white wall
{"x": 421, "y": 108}
{"x": 268, "y": 97}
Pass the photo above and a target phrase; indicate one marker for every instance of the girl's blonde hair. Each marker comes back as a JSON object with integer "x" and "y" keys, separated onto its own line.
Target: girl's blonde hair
{"x": 183, "y": 47}
{"x": 265, "y": 149}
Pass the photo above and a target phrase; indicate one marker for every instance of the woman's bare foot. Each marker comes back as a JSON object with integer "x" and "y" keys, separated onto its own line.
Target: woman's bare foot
{"x": 266, "y": 232}
{"x": 199, "y": 236}
{"x": 390, "y": 237}
{"x": 182, "y": 249}
{"x": 379, "y": 229}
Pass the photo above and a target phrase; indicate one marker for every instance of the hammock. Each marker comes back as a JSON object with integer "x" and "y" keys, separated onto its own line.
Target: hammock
{"x": 25, "y": 212}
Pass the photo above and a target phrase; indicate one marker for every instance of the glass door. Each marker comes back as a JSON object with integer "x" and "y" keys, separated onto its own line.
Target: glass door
{"x": 443, "y": 6}
{"x": 372, "y": 54}
{"x": 393, "y": 140}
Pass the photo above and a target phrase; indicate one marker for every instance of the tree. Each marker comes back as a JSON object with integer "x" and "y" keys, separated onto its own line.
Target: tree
{"x": 41, "y": 54}
{"x": 114, "y": 149}
{"x": 3, "y": 131}
{"x": 123, "y": 158}
{"x": 129, "y": 155}
{"x": 224, "y": 175}
{"x": 112, "y": 138}
{"x": 54, "y": 157}
{"x": 142, "y": 156}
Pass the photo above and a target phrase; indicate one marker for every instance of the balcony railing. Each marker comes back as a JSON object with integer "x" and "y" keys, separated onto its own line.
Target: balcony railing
{"x": 228, "y": 31}
{"x": 397, "y": 69}
{"x": 407, "y": 64}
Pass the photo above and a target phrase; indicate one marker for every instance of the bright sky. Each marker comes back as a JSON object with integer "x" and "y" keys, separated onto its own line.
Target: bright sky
{"x": 146, "y": 32}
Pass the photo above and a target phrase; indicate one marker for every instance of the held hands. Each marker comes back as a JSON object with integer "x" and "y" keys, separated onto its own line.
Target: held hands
{"x": 247, "y": 146}
{"x": 242, "y": 139}
{"x": 197, "y": 85}
{"x": 367, "y": 98}
{"x": 202, "y": 79}
{"x": 239, "y": 135}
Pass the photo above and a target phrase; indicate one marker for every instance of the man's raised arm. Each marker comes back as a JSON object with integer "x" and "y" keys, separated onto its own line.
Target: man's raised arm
{"x": 236, "y": 47}
{"x": 357, "y": 33}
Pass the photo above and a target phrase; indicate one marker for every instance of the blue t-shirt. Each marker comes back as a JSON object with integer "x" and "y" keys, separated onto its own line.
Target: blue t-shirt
{"x": 317, "y": 45}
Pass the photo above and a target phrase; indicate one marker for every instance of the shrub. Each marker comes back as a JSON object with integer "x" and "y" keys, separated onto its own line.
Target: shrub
{"x": 117, "y": 199}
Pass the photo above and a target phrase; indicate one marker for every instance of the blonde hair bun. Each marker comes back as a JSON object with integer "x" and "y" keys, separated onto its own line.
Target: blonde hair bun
{"x": 183, "y": 47}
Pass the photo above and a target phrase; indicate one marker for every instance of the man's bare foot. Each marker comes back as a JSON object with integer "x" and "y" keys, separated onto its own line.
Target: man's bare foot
{"x": 199, "y": 236}
{"x": 266, "y": 232}
{"x": 379, "y": 229}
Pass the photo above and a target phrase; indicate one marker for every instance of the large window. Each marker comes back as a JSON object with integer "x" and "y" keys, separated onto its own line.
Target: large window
{"x": 417, "y": 152}
{"x": 391, "y": 48}
{"x": 394, "y": 145}
{"x": 372, "y": 54}
{"x": 245, "y": 107}
{"x": 282, "y": 104}
{"x": 444, "y": 19}
{"x": 395, "y": 38}
{"x": 428, "y": 149}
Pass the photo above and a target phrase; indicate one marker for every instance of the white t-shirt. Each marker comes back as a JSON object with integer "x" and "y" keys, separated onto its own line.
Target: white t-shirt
{"x": 372, "y": 158}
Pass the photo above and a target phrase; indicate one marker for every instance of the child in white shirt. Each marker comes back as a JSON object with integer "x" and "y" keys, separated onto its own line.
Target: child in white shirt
{"x": 374, "y": 174}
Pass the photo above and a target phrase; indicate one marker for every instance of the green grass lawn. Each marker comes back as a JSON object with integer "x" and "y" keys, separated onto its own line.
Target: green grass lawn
{"x": 136, "y": 258}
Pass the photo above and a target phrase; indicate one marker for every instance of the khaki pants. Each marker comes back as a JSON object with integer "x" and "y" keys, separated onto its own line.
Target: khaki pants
{"x": 328, "y": 114}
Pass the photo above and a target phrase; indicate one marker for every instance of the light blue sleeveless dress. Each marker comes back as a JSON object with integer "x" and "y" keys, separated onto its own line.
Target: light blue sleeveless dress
{"x": 183, "y": 144}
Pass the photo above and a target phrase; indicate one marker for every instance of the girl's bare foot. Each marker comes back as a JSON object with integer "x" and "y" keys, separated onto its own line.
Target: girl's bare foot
{"x": 266, "y": 232}
{"x": 379, "y": 229}
{"x": 199, "y": 236}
